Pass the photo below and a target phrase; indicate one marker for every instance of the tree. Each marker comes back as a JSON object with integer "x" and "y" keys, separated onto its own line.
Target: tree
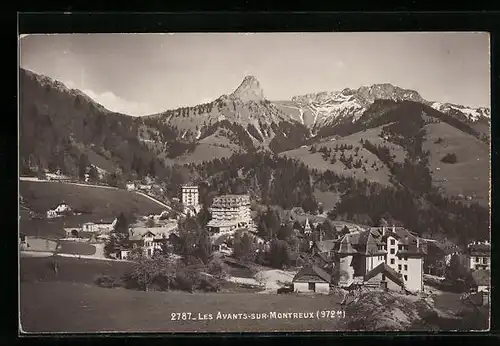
{"x": 329, "y": 232}
{"x": 449, "y": 158}
{"x": 456, "y": 272}
{"x": 189, "y": 232}
{"x": 146, "y": 270}
{"x": 345, "y": 230}
{"x": 93, "y": 174}
{"x": 284, "y": 232}
{"x": 82, "y": 166}
{"x": 279, "y": 254}
{"x": 152, "y": 168}
{"x": 243, "y": 247}
{"x": 203, "y": 246}
{"x": 150, "y": 222}
{"x": 297, "y": 226}
{"x": 121, "y": 226}
{"x": 217, "y": 268}
{"x": 204, "y": 216}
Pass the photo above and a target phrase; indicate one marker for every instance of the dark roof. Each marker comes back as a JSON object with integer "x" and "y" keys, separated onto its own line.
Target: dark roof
{"x": 446, "y": 247}
{"x": 481, "y": 277}
{"x": 325, "y": 245}
{"x": 315, "y": 271}
{"x": 388, "y": 272}
{"x": 364, "y": 242}
{"x": 479, "y": 249}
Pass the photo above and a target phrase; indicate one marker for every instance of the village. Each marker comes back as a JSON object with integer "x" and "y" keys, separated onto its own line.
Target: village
{"x": 355, "y": 258}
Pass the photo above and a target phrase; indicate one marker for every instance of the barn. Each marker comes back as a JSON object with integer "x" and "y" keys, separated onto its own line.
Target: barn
{"x": 383, "y": 276}
{"x": 312, "y": 279}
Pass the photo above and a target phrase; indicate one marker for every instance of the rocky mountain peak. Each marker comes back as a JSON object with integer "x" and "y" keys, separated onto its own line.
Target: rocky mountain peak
{"x": 249, "y": 90}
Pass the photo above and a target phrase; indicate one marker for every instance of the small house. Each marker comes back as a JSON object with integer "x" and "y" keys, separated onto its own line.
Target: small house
{"x": 130, "y": 186}
{"x": 312, "y": 279}
{"x": 479, "y": 255}
{"x": 383, "y": 276}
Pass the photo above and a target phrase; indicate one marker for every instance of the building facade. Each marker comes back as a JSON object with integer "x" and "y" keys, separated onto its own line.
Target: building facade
{"x": 190, "y": 195}
{"x": 312, "y": 279}
{"x": 479, "y": 255}
{"x": 360, "y": 252}
{"x": 230, "y": 212}
{"x": 190, "y": 199}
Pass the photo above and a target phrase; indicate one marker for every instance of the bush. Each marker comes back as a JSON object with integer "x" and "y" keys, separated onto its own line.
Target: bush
{"x": 107, "y": 281}
{"x": 449, "y": 158}
{"x": 185, "y": 281}
{"x": 217, "y": 268}
{"x": 208, "y": 284}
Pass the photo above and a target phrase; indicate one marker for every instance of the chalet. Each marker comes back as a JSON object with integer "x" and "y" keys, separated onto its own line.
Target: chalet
{"x": 383, "y": 276}
{"x": 60, "y": 210}
{"x": 148, "y": 242}
{"x": 144, "y": 187}
{"x": 149, "y": 239}
{"x": 312, "y": 279}
{"x": 359, "y": 252}
{"x": 100, "y": 227}
{"x": 131, "y": 186}
{"x": 479, "y": 256}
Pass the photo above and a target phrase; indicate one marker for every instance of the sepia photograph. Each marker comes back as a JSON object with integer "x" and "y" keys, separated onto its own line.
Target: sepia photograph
{"x": 254, "y": 182}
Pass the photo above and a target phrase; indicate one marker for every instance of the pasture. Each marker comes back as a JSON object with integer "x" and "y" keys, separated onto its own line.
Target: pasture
{"x": 74, "y": 248}
{"x": 74, "y": 270}
{"x": 95, "y": 200}
{"x": 470, "y": 175}
{"x": 79, "y": 308}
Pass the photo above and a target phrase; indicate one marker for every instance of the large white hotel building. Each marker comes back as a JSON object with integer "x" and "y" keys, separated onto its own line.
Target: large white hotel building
{"x": 230, "y": 212}
{"x": 190, "y": 197}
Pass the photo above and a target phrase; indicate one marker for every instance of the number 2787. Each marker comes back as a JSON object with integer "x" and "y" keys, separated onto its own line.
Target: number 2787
{"x": 180, "y": 316}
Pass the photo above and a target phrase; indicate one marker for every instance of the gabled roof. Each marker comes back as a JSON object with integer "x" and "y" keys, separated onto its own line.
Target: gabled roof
{"x": 366, "y": 242}
{"x": 479, "y": 249}
{"x": 314, "y": 271}
{"x": 325, "y": 245}
{"x": 481, "y": 277}
{"x": 387, "y": 271}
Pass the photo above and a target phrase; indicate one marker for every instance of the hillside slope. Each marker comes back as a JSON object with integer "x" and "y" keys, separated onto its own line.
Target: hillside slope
{"x": 93, "y": 201}
{"x": 389, "y": 134}
{"x": 57, "y": 125}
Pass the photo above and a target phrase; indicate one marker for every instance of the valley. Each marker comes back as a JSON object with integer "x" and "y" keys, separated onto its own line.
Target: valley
{"x": 354, "y": 136}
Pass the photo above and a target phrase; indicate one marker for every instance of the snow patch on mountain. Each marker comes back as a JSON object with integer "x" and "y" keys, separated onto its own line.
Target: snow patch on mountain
{"x": 472, "y": 114}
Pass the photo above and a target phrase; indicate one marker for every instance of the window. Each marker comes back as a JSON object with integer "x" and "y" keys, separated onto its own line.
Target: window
{"x": 477, "y": 259}
{"x": 392, "y": 260}
{"x": 311, "y": 286}
{"x": 393, "y": 241}
{"x": 406, "y": 258}
{"x": 399, "y": 267}
{"x": 485, "y": 260}
{"x": 406, "y": 277}
{"x": 406, "y": 266}
{"x": 392, "y": 251}
{"x": 383, "y": 277}
{"x": 400, "y": 247}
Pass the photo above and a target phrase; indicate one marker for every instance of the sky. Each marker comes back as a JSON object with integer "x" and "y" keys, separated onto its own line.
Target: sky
{"x": 139, "y": 74}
